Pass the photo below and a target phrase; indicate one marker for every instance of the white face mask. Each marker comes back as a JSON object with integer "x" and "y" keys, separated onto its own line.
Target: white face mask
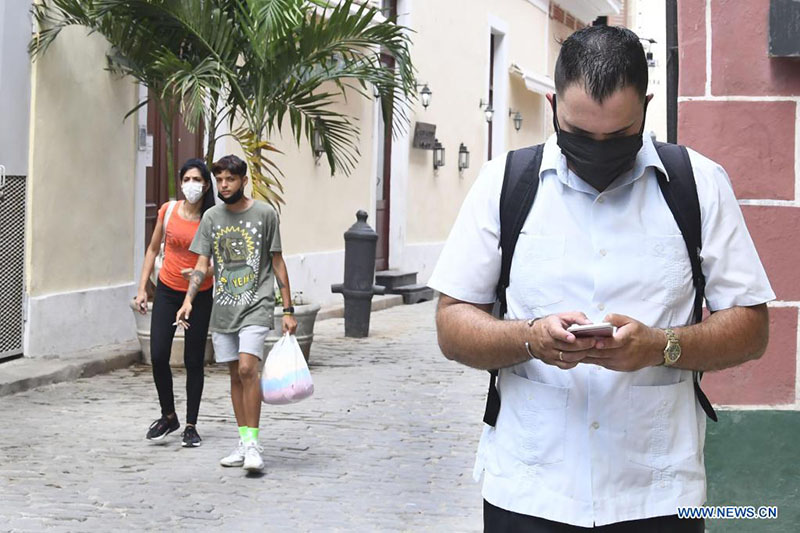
{"x": 193, "y": 191}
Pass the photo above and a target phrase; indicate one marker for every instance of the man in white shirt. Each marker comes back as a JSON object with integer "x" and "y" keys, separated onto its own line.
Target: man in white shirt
{"x": 601, "y": 433}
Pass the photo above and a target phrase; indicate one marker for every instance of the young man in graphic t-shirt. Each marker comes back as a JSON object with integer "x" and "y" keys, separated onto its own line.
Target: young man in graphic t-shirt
{"x": 243, "y": 236}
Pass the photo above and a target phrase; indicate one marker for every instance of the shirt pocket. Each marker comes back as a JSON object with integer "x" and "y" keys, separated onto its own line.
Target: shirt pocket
{"x": 664, "y": 266}
{"x": 661, "y": 427}
{"x": 531, "y": 425}
{"x": 538, "y": 270}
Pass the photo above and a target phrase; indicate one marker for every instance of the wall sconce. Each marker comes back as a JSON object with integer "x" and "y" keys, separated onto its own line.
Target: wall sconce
{"x": 517, "y": 118}
{"x": 425, "y": 95}
{"x": 648, "y": 53}
{"x": 317, "y": 145}
{"x": 488, "y": 111}
{"x": 438, "y": 154}
{"x": 463, "y": 157}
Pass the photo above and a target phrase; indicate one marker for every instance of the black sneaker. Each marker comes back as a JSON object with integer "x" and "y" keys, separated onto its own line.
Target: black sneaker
{"x": 190, "y": 437}
{"x": 162, "y": 427}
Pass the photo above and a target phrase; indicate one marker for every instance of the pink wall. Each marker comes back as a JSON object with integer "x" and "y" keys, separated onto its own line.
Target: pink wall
{"x": 745, "y": 118}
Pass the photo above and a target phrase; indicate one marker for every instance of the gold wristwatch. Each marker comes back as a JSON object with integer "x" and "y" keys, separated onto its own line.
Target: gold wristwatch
{"x": 672, "y": 352}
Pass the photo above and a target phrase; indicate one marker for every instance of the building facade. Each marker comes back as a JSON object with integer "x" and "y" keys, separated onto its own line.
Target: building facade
{"x": 738, "y": 104}
{"x": 83, "y": 191}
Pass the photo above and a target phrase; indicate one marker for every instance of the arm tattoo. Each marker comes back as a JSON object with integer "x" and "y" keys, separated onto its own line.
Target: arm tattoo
{"x": 195, "y": 280}
{"x": 280, "y": 282}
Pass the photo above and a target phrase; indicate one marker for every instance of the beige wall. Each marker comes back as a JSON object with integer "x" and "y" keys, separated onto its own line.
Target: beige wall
{"x": 320, "y": 207}
{"x": 82, "y": 158}
{"x": 451, "y": 52}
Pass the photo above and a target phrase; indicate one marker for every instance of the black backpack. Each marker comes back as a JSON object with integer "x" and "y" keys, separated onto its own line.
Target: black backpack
{"x": 520, "y": 183}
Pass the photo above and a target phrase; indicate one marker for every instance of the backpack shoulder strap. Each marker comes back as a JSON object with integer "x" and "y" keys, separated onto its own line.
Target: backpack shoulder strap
{"x": 520, "y": 184}
{"x": 680, "y": 192}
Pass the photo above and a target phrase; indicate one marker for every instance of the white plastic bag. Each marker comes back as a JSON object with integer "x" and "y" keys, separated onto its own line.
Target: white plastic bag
{"x": 286, "y": 378}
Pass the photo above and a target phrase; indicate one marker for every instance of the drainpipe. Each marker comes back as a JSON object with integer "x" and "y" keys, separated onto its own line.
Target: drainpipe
{"x": 672, "y": 71}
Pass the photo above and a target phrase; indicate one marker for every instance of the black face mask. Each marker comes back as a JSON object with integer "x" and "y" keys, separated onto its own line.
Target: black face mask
{"x": 598, "y": 163}
{"x": 235, "y": 197}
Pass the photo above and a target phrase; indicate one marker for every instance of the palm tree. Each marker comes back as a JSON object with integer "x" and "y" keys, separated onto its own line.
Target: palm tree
{"x": 253, "y": 63}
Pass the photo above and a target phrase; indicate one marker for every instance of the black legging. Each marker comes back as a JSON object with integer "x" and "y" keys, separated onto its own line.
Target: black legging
{"x": 166, "y": 303}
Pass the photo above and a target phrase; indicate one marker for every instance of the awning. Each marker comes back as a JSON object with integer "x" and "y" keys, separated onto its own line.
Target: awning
{"x": 534, "y": 82}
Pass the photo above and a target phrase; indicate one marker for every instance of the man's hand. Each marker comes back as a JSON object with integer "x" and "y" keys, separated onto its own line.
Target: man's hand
{"x": 289, "y": 324}
{"x": 554, "y": 345}
{"x": 187, "y": 273}
{"x": 182, "y": 318}
{"x": 633, "y": 347}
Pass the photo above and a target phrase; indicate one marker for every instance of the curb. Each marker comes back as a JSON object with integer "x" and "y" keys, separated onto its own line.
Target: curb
{"x": 379, "y": 303}
{"x": 24, "y": 374}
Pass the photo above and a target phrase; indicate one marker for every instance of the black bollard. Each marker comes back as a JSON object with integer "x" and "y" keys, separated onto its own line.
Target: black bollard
{"x": 359, "y": 286}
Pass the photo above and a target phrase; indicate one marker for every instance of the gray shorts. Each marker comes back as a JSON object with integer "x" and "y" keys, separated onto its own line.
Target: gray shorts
{"x": 249, "y": 339}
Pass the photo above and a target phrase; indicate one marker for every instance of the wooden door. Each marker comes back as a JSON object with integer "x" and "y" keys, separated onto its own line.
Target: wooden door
{"x": 158, "y": 192}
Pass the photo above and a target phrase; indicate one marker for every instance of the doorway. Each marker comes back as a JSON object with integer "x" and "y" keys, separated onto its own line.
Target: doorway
{"x": 384, "y": 168}
{"x": 158, "y": 189}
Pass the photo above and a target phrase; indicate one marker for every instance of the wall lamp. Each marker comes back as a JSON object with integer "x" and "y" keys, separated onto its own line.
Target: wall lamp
{"x": 425, "y": 94}
{"x": 438, "y": 154}
{"x": 488, "y": 111}
{"x": 317, "y": 145}
{"x": 463, "y": 157}
{"x": 517, "y": 118}
{"x": 651, "y": 62}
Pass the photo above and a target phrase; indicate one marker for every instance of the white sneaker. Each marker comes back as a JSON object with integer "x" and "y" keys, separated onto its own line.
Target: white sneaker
{"x": 236, "y": 457}
{"x": 252, "y": 457}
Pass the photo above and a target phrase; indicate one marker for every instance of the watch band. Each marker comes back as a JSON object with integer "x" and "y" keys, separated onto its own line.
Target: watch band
{"x": 288, "y": 310}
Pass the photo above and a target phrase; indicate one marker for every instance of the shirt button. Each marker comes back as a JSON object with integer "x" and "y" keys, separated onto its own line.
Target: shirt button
{"x": 601, "y": 307}
{"x": 595, "y": 425}
{"x": 603, "y": 252}
{"x": 600, "y": 200}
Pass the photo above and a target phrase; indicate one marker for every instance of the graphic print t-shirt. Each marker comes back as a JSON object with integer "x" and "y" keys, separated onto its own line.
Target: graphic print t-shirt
{"x": 241, "y": 245}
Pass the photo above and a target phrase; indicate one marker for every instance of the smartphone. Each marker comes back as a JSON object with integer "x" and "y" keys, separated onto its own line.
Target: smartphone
{"x": 601, "y": 329}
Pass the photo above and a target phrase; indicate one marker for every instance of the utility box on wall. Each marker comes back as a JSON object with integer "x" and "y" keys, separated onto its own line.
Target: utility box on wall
{"x": 784, "y": 28}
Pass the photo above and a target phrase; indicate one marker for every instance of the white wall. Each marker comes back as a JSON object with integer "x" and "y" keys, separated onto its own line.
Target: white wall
{"x": 648, "y": 19}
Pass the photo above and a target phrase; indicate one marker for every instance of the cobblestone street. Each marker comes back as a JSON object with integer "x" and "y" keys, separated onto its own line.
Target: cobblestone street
{"x": 386, "y": 443}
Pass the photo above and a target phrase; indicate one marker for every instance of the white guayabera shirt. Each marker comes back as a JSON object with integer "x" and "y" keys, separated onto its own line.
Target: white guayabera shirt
{"x": 590, "y": 446}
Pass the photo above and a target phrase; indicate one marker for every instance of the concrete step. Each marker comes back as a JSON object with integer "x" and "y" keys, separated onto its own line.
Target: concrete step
{"x": 414, "y": 294}
{"x": 394, "y": 278}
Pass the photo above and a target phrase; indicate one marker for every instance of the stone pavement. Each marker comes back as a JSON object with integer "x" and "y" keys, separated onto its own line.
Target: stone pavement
{"x": 385, "y": 444}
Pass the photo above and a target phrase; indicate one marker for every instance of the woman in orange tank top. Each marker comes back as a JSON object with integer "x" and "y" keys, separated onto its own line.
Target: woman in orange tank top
{"x": 178, "y": 222}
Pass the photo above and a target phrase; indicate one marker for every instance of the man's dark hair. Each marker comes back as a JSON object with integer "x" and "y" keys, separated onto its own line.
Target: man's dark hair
{"x": 602, "y": 60}
{"x": 232, "y": 164}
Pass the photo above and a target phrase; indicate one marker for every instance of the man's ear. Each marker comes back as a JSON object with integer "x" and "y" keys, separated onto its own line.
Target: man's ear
{"x": 648, "y": 98}
{"x": 549, "y": 97}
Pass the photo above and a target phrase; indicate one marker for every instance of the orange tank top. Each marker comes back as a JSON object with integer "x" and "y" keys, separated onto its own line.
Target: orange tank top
{"x": 180, "y": 234}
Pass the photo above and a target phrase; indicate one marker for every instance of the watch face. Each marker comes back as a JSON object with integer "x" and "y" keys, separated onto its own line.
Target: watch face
{"x": 672, "y": 353}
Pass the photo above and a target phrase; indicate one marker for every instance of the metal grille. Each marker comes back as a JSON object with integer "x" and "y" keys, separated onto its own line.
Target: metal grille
{"x": 12, "y": 259}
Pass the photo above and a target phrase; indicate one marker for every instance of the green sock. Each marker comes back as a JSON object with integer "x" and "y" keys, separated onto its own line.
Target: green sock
{"x": 253, "y": 434}
{"x": 244, "y": 433}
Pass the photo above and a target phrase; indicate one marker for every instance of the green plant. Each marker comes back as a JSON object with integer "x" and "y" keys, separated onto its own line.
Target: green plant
{"x": 256, "y": 64}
